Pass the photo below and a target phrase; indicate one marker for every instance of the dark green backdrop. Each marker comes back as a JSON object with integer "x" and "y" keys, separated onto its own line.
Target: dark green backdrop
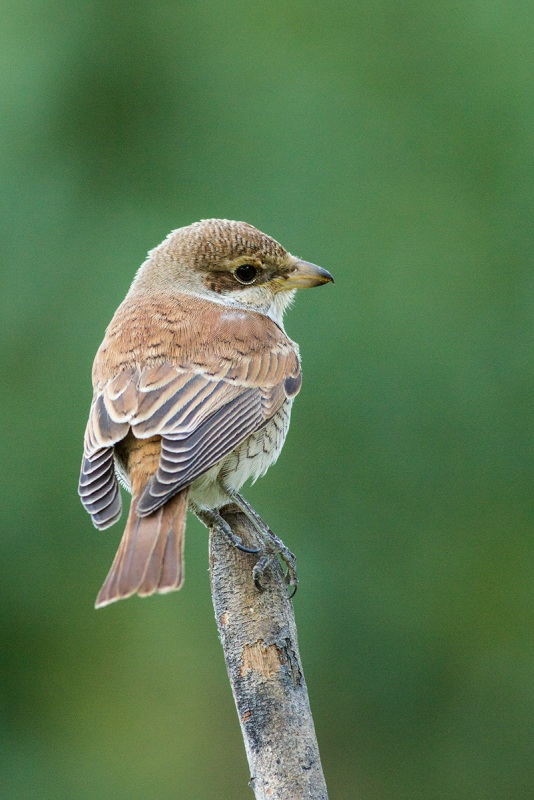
{"x": 393, "y": 144}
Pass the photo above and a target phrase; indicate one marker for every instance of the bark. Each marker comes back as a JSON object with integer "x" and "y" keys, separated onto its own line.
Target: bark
{"x": 259, "y": 639}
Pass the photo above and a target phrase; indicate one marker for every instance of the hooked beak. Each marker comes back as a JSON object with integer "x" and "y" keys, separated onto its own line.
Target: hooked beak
{"x": 306, "y": 275}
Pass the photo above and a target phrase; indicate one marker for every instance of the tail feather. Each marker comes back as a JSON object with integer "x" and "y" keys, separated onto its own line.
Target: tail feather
{"x": 150, "y": 556}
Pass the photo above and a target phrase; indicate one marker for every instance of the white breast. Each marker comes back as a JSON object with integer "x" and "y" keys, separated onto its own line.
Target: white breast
{"x": 251, "y": 459}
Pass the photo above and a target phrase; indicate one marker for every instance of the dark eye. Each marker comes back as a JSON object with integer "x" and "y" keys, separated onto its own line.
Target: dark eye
{"x": 246, "y": 273}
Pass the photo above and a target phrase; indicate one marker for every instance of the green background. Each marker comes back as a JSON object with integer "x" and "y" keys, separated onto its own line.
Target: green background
{"x": 393, "y": 144}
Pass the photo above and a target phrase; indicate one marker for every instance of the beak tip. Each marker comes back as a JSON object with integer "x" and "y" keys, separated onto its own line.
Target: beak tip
{"x": 311, "y": 275}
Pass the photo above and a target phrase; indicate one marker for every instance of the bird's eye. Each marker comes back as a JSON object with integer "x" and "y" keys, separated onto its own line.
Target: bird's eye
{"x": 246, "y": 273}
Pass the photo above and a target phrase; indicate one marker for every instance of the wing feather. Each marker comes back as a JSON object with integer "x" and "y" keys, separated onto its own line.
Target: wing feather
{"x": 98, "y": 488}
{"x": 105, "y": 515}
{"x": 192, "y": 390}
{"x": 151, "y": 401}
{"x": 186, "y": 458}
{"x": 156, "y": 377}
{"x": 105, "y": 430}
{"x": 99, "y": 459}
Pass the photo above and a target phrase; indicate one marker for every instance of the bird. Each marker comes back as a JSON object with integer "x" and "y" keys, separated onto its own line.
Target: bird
{"x": 192, "y": 392}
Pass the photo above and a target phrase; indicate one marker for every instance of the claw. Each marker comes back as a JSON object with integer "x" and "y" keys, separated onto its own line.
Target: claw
{"x": 292, "y": 582}
{"x": 237, "y": 542}
{"x": 261, "y": 567}
{"x": 273, "y": 543}
{"x": 258, "y": 572}
{"x": 273, "y": 546}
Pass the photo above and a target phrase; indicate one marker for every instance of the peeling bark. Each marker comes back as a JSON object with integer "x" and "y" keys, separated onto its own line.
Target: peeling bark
{"x": 259, "y": 639}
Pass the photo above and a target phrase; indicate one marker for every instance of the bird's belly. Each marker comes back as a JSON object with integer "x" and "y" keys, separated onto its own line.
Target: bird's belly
{"x": 251, "y": 459}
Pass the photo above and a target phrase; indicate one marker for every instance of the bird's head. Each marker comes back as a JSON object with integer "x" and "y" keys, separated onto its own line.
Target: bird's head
{"x": 229, "y": 262}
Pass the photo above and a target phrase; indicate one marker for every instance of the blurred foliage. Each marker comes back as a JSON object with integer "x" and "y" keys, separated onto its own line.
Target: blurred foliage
{"x": 392, "y": 143}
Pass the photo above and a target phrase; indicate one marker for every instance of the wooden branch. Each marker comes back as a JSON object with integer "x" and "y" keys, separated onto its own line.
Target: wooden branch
{"x": 259, "y": 638}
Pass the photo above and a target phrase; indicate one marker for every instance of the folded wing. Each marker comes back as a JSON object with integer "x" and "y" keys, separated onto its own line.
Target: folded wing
{"x": 202, "y": 408}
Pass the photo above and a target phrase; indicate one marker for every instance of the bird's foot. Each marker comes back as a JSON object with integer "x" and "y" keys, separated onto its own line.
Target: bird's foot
{"x": 212, "y": 519}
{"x": 265, "y": 562}
{"x": 271, "y": 543}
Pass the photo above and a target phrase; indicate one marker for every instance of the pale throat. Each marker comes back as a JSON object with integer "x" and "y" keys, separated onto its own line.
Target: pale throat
{"x": 257, "y": 299}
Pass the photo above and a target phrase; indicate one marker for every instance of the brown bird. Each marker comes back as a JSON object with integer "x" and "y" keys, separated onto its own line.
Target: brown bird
{"x": 193, "y": 387}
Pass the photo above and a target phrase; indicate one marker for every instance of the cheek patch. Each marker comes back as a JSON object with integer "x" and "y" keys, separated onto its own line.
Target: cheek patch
{"x": 221, "y": 282}
{"x": 224, "y": 282}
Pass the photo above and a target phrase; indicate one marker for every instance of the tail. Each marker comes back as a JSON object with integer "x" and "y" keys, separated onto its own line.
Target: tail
{"x": 150, "y": 556}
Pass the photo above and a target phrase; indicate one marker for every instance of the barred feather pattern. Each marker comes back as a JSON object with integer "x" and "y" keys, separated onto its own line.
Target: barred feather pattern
{"x": 205, "y": 406}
